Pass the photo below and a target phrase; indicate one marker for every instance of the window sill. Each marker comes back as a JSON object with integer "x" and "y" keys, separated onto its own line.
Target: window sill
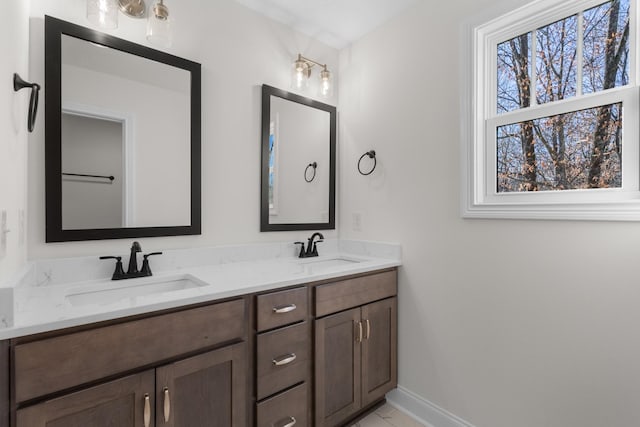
{"x": 611, "y": 211}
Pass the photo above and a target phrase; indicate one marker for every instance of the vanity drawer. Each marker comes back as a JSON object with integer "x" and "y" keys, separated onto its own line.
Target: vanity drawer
{"x": 283, "y": 358}
{"x": 281, "y": 308}
{"x": 284, "y": 409}
{"x": 345, "y": 294}
{"x": 53, "y": 364}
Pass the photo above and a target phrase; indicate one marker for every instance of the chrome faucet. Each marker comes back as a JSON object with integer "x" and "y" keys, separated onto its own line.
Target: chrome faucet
{"x": 132, "y": 271}
{"x": 312, "y": 249}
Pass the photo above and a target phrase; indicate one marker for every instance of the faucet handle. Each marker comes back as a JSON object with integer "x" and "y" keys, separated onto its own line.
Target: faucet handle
{"x": 301, "y": 255}
{"x": 118, "y": 273}
{"x": 314, "y": 250}
{"x": 146, "y": 270}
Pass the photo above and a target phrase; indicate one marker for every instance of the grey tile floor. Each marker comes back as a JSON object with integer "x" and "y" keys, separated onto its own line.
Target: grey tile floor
{"x": 388, "y": 416}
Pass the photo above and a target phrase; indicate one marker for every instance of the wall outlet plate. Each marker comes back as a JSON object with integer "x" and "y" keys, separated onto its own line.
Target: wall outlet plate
{"x": 357, "y": 221}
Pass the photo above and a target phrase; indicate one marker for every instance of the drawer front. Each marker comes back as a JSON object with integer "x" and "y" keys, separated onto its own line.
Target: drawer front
{"x": 283, "y": 358}
{"x": 285, "y": 409}
{"x": 281, "y": 308}
{"x": 53, "y": 364}
{"x": 345, "y": 294}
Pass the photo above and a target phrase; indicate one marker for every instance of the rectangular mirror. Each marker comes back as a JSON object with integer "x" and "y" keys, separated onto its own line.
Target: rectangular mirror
{"x": 298, "y": 162}
{"x": 122, "y": 138}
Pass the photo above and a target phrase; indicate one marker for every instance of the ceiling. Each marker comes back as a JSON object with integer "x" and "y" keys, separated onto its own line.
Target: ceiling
{"x": 337, "y": 23}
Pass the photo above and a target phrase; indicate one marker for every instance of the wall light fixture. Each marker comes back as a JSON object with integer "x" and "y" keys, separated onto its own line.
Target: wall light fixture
{"x": 104, "y": 14}
{"x": 301, "y": 74}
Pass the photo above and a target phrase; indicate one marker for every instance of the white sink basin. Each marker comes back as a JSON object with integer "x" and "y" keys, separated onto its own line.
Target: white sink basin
{"x": 322, "y": 264}
{"x": 122, "y": 290}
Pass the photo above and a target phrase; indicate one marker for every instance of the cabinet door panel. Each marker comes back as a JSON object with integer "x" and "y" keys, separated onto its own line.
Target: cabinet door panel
{"x": 117, "y": 403}
{"x": 208, "y": 390}
{"x": 379, "y": 349}
{"x": 337, "y": 368}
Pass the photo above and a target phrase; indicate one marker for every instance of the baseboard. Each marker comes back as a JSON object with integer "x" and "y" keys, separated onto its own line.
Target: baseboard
{"x": 423, "y": 411}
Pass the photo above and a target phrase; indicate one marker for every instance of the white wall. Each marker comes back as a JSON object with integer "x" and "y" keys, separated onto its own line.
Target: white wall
{"x": 239, "y": 50}
{"x": 503, "y": 323}
{"x": 14, "y": 48}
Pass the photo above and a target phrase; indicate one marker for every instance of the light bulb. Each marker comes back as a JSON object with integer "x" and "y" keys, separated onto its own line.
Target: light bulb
{"x": 300, "y": 74}
{"x": 103, "y": 13}
{"x": 326, "y": 84}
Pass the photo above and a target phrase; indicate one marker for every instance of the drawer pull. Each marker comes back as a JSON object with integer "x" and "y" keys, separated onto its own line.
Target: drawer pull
{"x": 367, "y": 335}
{"x": 147, "y": 410}
{"x": 167, "y": 405}
{"x": 284, "y": 360}
{"x": 284, "y": 308}
{"x": 289, "y": 422}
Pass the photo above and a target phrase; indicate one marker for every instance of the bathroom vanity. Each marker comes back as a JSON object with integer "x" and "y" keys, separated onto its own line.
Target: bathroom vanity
{"x": 317, "y": 352}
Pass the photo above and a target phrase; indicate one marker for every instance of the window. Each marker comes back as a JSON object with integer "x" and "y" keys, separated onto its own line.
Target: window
{"x": 553, "y": 113}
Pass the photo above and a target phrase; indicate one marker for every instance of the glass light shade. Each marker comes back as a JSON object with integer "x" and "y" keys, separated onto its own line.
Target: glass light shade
{"x": 326, "y": 83}
{"x": 300, "y": 72}
{"x": 159, "y": 28}
{"x": 103, "y": 13}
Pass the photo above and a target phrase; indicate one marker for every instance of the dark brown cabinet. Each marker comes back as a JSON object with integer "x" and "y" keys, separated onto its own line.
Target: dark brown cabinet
{"x": 247, "y": 361}
{"x": 124, "y": 402}
{"x": 379, "y": 350}
{"x": 207, "y": 390}
{"x": 283, "y": 359}
{"x": 356, "y": 360}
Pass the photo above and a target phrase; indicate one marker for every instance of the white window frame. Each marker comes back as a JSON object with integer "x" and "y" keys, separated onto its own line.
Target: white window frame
{"x": 480, "y": 119}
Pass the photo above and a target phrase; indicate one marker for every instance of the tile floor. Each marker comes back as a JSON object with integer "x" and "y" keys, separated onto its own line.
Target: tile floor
{"x": 388, "y": 416}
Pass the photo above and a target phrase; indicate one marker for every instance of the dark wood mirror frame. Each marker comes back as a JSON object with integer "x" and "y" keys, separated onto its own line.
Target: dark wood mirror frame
{"x": 267, "y": 93}
{"x": 54, "y": 30}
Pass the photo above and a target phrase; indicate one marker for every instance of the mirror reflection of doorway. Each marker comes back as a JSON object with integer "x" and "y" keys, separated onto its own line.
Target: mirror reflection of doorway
{"x": 92, "y": 153}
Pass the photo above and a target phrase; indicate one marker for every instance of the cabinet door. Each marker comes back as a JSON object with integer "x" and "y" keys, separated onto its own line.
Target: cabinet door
{"x": 121, "y": 403}
{"x": 379, "y": 349}
{"x": 337, "y": 368}
{"x": 209, "y": 390}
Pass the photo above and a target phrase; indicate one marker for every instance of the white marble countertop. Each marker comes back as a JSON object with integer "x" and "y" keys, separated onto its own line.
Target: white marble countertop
{"x": 43, "y": 308}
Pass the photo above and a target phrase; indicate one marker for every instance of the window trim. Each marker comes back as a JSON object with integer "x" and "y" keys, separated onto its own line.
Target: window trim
{"x": 478, "y": 52}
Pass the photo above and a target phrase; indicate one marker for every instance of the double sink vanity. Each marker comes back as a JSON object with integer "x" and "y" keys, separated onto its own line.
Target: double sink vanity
{"x": 235, "y": 336}
{"x": 269, "y": 335}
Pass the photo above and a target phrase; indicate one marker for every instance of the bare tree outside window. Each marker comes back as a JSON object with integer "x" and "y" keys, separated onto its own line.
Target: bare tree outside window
{"x": 578, "y": 149}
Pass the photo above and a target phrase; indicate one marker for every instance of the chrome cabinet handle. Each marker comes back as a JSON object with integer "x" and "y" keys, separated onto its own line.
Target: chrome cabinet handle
{"x": 284, "y": 360}
{"x": 368, "y": 333}
{"x": 290, "y": 422}
{"x": 147, "y": 410}
{"x": 167, "y": 405}
{"x": 359, "y": 332}
{"x": 284, "y": 308}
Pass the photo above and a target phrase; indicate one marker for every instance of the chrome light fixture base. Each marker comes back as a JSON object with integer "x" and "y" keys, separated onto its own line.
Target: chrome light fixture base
{"x": 132, "y": 8}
